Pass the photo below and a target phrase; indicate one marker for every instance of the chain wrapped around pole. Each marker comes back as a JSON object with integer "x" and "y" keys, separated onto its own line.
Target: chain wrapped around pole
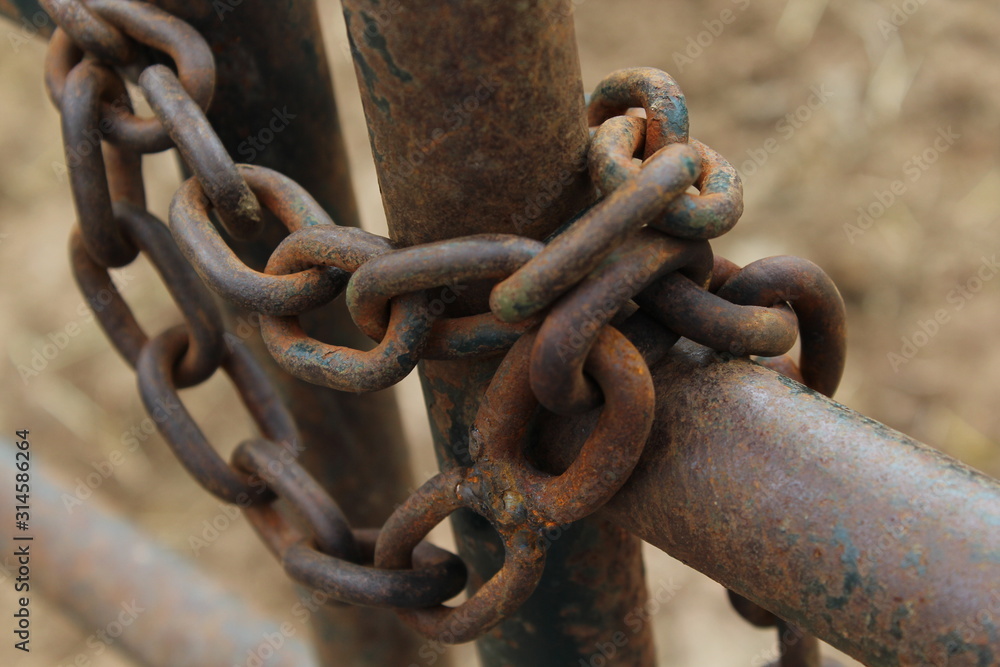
{"x": 577, "y": 319}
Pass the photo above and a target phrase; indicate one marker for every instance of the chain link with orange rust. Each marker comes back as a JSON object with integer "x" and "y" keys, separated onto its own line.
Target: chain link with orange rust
{"x": 578, "y": 319}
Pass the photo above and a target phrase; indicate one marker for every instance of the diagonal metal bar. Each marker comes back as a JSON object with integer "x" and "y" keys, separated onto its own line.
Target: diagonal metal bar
{"x": 133, "y": 594}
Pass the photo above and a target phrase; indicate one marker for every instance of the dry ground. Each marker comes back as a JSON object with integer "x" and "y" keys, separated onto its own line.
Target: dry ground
{"x": 887, "y": 92}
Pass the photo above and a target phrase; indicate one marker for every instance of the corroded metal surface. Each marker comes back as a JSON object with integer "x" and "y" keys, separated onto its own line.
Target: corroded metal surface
{"x": 315, "y": 543}
{"x": 567, "y": 335}
{"x": 227, "y": 273}
{"x": 710, "y": 213}
{"x": 476, "y": 118}
{"x": 482, "y": 159}
{"x": 875, "y": 543}
{"x": 594, "y": 569}
{"x": 818, "y": 307}
{"x": 337, "y": 366}
{"x": 519, "y": 501}
{"x": 202, "y": 150}
{"x": 572, "y": 255}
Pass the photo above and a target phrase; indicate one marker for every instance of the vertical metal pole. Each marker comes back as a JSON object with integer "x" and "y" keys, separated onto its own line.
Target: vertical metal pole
{"x": 272, "y": 73}
{"x": 475, "y": 112}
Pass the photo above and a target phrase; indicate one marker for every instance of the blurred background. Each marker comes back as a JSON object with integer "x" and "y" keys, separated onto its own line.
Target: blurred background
{"x": 867, "y": 134}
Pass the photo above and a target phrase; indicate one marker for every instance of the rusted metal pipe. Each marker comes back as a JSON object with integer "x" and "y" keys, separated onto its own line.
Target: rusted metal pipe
{"x": 880, "y": 545}
{"x": 475, "y": 112}
{"x": 126, "y": 591}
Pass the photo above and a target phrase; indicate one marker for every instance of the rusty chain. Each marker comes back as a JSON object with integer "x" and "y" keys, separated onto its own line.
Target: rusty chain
{"x": 579, "y": 319}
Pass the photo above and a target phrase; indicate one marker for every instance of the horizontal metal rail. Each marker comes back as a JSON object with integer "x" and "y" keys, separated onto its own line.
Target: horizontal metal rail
{"x": 878, "y": 544}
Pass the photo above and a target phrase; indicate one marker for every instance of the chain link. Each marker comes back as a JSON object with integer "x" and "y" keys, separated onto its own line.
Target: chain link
{"x": 202, "y": 150}
{"x": 203, "y": 320}
{"x": 226, "y": 274}
{"x": 576, "y": 252}
{"x": 579, "y": 319}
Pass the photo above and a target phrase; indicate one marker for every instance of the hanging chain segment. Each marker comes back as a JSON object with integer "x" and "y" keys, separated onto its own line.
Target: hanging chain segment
{"x": 578, "y": 319}
{"x": 104, "y": 143}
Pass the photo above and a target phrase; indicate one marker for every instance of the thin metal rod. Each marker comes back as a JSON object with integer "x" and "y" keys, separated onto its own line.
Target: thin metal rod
{"x": 126, "y": 591}
{"x": 880, "y": 545}
{"x": 475, "y": 112}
